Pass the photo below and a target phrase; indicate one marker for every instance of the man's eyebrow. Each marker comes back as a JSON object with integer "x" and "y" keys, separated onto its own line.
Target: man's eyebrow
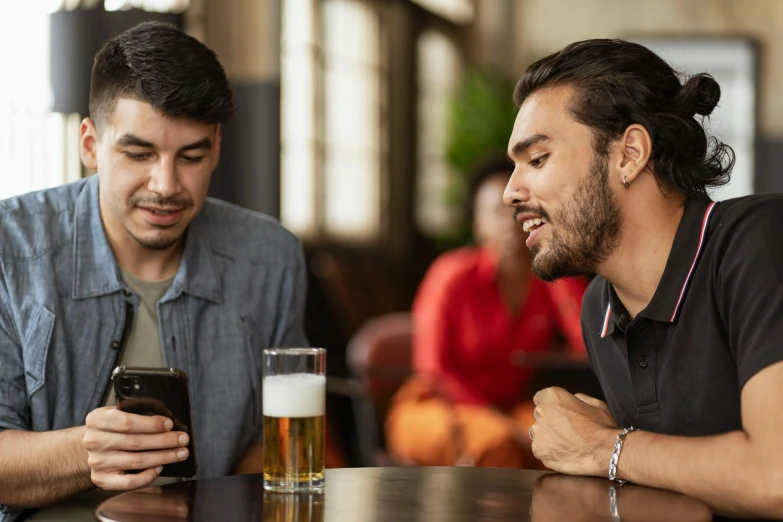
{"x": 522, "y": 146}
{"x": 202, "y": 144}
{"x": 129, "y": 140}
{"x": 135, "y": 141}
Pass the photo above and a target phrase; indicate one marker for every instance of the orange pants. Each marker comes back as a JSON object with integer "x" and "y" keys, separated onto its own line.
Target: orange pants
{"x": 425, "y": 429}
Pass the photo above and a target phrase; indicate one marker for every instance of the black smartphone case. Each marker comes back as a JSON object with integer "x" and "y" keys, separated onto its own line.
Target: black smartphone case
{"x": 164, "y": 391}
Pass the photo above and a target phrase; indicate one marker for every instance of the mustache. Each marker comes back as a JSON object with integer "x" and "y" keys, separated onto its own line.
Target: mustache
{"x": 530, "y": 209}
{"x": 160, "y": 201}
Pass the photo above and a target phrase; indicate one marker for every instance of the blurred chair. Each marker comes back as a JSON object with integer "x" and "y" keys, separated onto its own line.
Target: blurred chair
{"x": 380, "y": 359}
{"x": 334, "y": 455}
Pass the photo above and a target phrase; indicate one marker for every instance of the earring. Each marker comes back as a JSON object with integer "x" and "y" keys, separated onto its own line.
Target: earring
{"x": 626, "y": 184}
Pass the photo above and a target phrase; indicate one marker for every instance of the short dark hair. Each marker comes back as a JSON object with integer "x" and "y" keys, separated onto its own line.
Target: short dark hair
{"x": 480, "y": 173}
{"x": 619, "y": 83}
{"x": 158, "y": 64}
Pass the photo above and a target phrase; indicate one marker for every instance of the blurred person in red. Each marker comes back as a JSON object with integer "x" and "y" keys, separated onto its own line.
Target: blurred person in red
{"x": 477, "y": 315}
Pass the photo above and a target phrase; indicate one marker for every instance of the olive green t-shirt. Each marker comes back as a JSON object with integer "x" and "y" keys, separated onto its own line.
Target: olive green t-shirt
{"x": 143, "y": 348}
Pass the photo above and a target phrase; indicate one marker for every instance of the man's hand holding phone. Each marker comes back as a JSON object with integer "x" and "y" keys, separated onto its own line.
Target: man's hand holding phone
{"x": 119, "y": 442}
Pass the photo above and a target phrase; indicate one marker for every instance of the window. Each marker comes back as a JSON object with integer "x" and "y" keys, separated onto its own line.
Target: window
{"x": 159, "y": 6}
{"x": 332, "y": 119}
{"x": 300, "y": 144}
{"x": 38, "y": 149}
{"x": 439, "y": 70}
{"x": 455, "y": 11}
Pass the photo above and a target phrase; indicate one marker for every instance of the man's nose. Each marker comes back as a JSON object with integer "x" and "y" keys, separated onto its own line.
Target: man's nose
{"x": 516, "y": 192}
{"x": 164, "y": 179}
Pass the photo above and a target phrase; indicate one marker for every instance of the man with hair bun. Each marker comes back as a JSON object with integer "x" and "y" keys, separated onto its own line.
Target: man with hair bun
{"x": 684, "y": 321}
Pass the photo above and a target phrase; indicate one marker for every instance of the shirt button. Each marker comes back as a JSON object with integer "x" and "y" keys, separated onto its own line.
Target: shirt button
{"x": 115, "y": 345}
{"x": 642, "y": 363}
{"x": 126, "y": 293}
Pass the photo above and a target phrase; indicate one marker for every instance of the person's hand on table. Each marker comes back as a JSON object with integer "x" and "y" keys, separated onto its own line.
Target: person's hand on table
{"x": 572, "y": 434}
{"x": 117, "y": 442}
{"x": 587, "y": 499}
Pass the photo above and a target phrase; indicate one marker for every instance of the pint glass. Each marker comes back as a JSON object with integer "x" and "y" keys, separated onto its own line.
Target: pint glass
{"x": 294, "y": 403}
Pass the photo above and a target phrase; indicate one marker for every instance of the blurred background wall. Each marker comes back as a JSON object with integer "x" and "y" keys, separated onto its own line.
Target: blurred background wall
{"x": 246, "y": 36}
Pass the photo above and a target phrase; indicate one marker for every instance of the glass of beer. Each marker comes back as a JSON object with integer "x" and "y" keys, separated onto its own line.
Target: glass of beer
{"x": 294, "y": 404}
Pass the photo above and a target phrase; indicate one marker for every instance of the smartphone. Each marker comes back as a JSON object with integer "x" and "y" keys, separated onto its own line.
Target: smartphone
{"x": 158, "y": 391}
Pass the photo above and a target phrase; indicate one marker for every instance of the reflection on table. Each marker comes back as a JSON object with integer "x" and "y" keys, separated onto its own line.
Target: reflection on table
{"x": 409, "y": 494}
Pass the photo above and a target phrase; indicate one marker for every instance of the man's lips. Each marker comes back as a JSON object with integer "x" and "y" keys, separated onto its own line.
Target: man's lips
{"x": 163, "y": 216}
{"x": 524, "y": 216}
{"x": 531, "y": 239}
{"x": 531, "y": 222}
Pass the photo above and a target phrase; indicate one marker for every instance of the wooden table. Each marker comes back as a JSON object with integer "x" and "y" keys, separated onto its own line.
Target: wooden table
{"x": 407, "y": 494}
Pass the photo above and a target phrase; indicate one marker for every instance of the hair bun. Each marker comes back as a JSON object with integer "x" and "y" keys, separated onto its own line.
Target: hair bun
{"x": 699, "y": 95}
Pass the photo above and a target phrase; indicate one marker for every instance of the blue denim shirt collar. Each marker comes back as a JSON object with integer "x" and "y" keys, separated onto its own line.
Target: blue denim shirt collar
{"x": 95, "y": 271}
{"x": 197, "y": 275}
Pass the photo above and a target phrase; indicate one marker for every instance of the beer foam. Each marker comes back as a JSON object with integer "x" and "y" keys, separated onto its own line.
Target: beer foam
{"x": 294, "y": 395}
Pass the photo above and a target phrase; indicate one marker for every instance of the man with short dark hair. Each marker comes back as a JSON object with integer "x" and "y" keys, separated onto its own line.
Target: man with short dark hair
{"x": 136, "y": 266}
{"x": 684, "y": 323}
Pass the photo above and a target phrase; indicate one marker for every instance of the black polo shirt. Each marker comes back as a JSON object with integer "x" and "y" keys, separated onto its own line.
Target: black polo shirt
{"x": 716, "y": 319}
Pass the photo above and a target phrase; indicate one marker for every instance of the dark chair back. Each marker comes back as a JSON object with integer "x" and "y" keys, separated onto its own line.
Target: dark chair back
{"x": 379, "y": 357}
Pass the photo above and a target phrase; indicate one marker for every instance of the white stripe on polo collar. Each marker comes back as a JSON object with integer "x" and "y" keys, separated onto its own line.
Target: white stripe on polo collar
{"x": 705, "y": 221}
{"x": 606, "y": 320}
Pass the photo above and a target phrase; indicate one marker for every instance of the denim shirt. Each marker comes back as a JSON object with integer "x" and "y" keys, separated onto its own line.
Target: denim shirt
{"x": 65, "y": 313}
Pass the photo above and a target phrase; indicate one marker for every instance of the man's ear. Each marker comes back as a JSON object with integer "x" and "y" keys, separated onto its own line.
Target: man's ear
{"x": 89, "y": 144}
{"x": 635, "y": 149}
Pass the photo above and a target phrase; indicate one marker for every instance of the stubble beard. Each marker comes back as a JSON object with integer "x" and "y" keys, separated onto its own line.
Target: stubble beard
{"x": 584, "y": 232}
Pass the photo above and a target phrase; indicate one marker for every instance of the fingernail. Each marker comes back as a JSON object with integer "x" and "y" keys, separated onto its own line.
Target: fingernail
{"x": 182, "y": 453}
{"x": 159, "y": 469}
{"x": 167, "y": 424}
{"x": 183, "y": 439}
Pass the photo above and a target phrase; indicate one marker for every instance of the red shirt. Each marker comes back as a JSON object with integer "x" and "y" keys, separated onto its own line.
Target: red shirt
{"x": 466, "y": 338}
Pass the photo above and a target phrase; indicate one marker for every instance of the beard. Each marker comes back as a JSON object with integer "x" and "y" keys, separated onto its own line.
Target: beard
{"x": 160, "y": 241}
{"x": 584, "y": 232}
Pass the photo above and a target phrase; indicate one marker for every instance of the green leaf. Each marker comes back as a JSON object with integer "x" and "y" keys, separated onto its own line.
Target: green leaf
{"x": 479, "y": 121}
{"x": 480, "y": 118}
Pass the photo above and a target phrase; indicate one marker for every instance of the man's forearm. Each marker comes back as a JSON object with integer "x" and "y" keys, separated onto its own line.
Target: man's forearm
{"x": 40, "y": 468}
{"x": 723, "y": 471}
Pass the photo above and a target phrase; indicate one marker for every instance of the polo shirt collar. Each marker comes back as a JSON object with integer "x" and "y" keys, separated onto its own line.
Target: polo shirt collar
{"x": 685, "y": 253}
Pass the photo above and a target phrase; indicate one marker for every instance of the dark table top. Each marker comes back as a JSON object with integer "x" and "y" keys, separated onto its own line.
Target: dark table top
{"x": 408, "y": 494}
